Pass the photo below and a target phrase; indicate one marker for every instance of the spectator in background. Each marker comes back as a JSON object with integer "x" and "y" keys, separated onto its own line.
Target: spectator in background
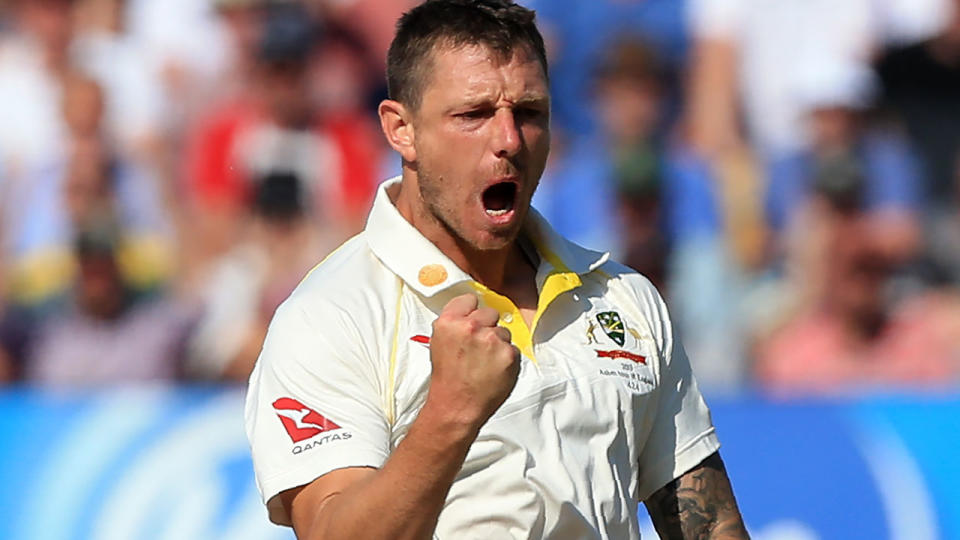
{"x": 343, "y": 84}
{"x": 63, "y": 289}
{"x": 649, "y": 199}
{"x": 106, "y": 335}
{"x": 53, "y": 38}
{"x": 248, "y": 283}
{"x": 579, "y": 36}
{"x": 280, "y": 125}
{"x": 748, "y": 53}
{"x": 852, "y": 336}
{"x": 747, "y": 66}
{"x": 921, "y": 82}
{"x": 185, "y": 47}
{"x": 372, "y": 21}
{"x": 42, "y": 213}
{"x": 34, "y": 57}
{"x": 243, "y": 24}
{"x": 134, "y": 99}
{"x": 606, "y": 191}
{"x": 836, "y": 97}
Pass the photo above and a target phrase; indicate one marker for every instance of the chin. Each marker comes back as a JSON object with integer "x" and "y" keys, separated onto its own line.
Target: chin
{"x": 496, "y": 240}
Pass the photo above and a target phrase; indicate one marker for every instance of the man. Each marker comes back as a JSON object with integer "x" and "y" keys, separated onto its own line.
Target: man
{"x": 274, "y": 123}
{"x": 435, "y": 375}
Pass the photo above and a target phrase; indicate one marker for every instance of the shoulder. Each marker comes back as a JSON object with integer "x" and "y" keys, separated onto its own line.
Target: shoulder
{"x": 623, "y": 280}
{"x": 628, "y": 287}
{"x": 334, "y": 329}
{"x": 347, "y": 276}
{"x": 347, "y": 296}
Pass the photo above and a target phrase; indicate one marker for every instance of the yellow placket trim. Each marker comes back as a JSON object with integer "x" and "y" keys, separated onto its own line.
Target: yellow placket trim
{"x": 510, "y": 318}
{"x": 560, "y": 280}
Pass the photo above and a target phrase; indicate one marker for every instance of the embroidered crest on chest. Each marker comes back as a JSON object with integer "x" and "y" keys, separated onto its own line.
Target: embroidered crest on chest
{"x": 620, "y": 350}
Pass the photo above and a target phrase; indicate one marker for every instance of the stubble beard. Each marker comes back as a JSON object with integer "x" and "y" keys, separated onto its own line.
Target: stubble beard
{"x": 447, "y": 218}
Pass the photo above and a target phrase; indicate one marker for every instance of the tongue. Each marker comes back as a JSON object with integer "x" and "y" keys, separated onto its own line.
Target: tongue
{"x": 499, "y": 197}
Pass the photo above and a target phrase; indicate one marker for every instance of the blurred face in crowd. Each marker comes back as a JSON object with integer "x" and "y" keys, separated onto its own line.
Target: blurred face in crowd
{"x": 286, "y": 93}
{"x": 49, "y": 21}
{"x": 857, "y": 274}
{"x": 100, "y": 287}
{"x": 82, "y": 106}
{"x": 628, "y": 107}
{"x": 244, "y": 21}
{"x": 100, "y": 15}
{"x": 338, "y": 77}
{"x": 833, "y": 128}
{"x": 481, "y": 135}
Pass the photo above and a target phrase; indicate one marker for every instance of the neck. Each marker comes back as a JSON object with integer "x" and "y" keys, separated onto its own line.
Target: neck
{"x": 498, "y": 270}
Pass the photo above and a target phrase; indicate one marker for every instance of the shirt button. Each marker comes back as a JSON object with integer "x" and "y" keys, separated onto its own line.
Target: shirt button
{"x": 507, "y": 318}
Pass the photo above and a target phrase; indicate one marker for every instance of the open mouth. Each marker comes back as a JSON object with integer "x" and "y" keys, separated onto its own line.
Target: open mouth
{"x": 498, "y": 199}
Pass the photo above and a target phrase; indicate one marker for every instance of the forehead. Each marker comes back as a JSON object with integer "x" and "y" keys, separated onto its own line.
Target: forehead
{"x": 473, "y": 72}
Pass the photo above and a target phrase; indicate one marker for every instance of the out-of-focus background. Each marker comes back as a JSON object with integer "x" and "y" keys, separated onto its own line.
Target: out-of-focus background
{"x": 786, "y": 172}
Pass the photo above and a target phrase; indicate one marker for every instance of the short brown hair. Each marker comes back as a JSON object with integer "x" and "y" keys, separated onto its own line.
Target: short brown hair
{"x": 500, "y": 25}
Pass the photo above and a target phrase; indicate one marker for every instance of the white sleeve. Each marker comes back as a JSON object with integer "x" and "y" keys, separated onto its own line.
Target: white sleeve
{"x": 313, "y": 404}
{"x": 718, "y": 19}
{"x": 682, "y": 434}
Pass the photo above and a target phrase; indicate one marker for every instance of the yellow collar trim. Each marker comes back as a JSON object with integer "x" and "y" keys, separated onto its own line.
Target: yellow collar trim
{"x": 559, "y": 280}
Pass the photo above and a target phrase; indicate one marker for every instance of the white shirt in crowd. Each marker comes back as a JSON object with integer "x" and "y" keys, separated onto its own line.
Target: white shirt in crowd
{"x": 782, "y": 44}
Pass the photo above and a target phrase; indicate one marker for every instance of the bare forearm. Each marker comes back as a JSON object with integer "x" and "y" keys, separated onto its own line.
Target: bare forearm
{"x": 404, "y": 498}
{"x": 713, "y": 96}
{"x": 698, "y": 505}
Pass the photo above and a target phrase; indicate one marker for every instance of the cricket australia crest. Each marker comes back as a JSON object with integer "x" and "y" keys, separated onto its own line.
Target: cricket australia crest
{"x": 612, "y": 325}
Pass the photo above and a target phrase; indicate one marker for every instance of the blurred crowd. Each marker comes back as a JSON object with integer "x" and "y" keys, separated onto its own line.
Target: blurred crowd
{"x": 787, "y": 173}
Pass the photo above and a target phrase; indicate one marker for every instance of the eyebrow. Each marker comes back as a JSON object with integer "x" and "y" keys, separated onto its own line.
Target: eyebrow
{"x": 533, "y": 100}
{"x": 468, "y": 103}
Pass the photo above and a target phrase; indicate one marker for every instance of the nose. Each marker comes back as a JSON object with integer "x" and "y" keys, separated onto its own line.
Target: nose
{"x": 507, "y": 137}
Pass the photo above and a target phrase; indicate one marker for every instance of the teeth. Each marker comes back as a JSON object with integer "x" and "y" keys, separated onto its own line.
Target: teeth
{"x": 496, "y": 212}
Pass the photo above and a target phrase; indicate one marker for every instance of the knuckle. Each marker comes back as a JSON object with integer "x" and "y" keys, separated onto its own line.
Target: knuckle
{"x": 441, "y": 324}
{"x": 487, "y": 336}
{"x": 504, "y": 355}
{"x": 471, "y": 326}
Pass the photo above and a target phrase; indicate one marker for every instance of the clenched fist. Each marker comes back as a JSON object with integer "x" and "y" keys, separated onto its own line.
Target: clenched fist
{"x": 475, "y": 367}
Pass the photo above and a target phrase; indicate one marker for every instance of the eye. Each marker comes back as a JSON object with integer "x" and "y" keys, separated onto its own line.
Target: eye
{"x": 529, "y": 113}
{"x": 475, "y": 114}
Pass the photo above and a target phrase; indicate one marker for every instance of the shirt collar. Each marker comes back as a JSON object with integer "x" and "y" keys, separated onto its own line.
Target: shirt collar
{"x": 424, "y": 268}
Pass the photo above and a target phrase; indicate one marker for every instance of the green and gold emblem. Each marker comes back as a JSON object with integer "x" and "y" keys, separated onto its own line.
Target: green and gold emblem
{"x": 612, "y": 325}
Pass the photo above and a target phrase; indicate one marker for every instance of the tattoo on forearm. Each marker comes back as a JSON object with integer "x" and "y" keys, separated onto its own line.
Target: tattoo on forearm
{"x": 698, "y": 505}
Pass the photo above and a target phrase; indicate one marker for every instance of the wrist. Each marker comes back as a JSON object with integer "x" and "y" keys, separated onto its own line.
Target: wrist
{"x": 453, "y": 424}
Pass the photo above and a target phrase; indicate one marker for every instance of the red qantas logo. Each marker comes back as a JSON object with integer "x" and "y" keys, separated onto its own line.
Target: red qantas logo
{"x": 622, "y": 354}
{"x": 421, "y": 339}
{"x": 301, "y": 422}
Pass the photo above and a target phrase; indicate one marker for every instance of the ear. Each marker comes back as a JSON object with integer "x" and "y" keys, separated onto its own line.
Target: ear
{"x": 397, "y": 125}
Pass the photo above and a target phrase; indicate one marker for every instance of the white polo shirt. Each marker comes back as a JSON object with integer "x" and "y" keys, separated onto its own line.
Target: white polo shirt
{"x": 604, "y": 413}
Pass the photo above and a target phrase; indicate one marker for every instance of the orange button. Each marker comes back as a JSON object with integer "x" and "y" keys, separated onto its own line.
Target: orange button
{"x": 433, "y": 274}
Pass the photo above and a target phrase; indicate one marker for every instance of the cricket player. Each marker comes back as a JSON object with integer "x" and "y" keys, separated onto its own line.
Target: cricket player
{"x": 458, "y": 370}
